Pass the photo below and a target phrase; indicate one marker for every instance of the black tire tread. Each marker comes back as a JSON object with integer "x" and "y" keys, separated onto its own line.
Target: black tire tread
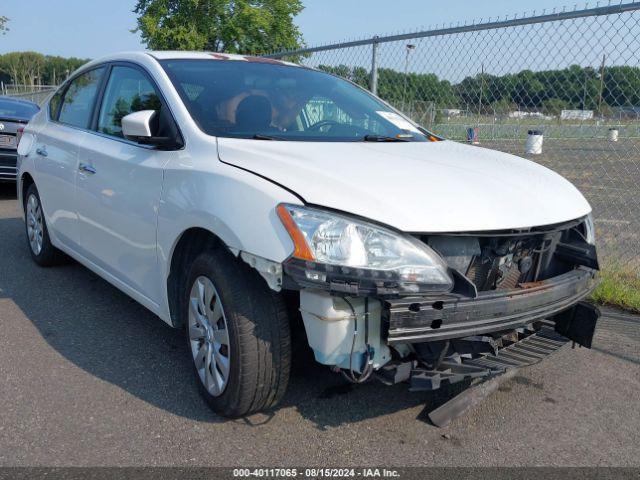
{"x": 261, "y": 327}
{"x": 49, "y": 256}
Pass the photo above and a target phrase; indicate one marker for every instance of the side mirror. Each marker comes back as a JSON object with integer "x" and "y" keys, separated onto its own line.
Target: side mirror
{"x": 139, "y": 127}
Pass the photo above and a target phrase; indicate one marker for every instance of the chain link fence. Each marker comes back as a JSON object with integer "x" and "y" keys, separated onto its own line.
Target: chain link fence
{"x": 572, "y": 75}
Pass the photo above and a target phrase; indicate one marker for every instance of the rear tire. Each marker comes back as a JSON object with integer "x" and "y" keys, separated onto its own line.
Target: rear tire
{"x": 42, "y": 250}
{"x": 238, "y": 335}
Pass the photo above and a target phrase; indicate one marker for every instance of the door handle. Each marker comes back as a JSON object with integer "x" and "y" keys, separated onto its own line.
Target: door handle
{"x": 86, "y": 168}
{"x": 42, "y": 151}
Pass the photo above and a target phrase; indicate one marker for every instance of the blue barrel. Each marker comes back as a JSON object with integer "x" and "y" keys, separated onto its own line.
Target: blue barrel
{"x": 472, "y": 135}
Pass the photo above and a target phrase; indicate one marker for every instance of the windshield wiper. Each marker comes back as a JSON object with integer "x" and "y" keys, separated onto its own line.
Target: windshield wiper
{"x": 382, "y": 138}
{"x": 259, "y": 136}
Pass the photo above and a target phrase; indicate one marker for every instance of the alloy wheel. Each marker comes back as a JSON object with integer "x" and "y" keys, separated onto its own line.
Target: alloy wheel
{"x": 35, "y": 226}
{"x": 209, "y": 336}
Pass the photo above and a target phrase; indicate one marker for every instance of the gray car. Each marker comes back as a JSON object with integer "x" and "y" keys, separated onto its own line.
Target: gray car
{"x": 14, "y": 114}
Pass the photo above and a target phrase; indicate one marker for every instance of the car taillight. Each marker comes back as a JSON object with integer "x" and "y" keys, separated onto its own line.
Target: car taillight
{"x": 19, "y": 133}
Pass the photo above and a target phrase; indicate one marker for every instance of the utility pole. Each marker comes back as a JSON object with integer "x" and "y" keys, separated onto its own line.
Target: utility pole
{"x": 406, "y": 74}
{"x": 373, "y": 81}
{"x": 584, "y": 91}
{"x": 601, "y": 84}
{"x": 481, "y": 90}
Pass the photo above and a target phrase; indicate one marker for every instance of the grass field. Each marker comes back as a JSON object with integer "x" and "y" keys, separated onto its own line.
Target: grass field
{"x": 512, "y": 129}
{"x": 619, "y": 287}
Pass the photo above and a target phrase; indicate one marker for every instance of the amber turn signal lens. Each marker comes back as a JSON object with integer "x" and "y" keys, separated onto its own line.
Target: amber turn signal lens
{"x": 301, "y": 248}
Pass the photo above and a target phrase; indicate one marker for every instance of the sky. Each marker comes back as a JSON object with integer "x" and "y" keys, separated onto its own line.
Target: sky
{"x": 91, "y": 28}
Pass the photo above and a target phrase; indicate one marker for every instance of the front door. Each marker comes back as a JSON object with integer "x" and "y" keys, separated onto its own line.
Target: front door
{"x": 119, "y": 185}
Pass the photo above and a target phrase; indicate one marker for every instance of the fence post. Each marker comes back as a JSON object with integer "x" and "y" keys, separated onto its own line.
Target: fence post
{"x": 373, "y": 81}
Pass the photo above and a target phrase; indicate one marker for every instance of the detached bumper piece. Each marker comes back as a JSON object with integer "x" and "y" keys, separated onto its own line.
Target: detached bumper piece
{"x": 503, "y": 356}
{"x": 425, "y": 319}
{"x": 530, "y": 348}
{"x": 513, "y": 350}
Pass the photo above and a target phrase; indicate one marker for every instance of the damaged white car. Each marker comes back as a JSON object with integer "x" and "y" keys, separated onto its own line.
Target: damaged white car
{"x": 231, "y": 195}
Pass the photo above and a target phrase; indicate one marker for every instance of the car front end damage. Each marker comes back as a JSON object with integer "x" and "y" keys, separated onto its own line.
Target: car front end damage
{"x": 514, "y": 296}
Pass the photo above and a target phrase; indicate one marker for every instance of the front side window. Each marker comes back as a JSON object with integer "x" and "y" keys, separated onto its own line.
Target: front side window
{"x": 77, "y": 105}
{"x": 266, "y": 99}
{"x": 128, "y": 90}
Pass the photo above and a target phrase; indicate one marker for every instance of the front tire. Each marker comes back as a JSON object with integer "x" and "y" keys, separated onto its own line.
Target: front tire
{"x": 238, "y": 335}
{"x": 42, "y": 250}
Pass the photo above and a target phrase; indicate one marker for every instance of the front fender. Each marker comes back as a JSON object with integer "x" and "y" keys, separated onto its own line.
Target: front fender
{"x": 236, "y": 206}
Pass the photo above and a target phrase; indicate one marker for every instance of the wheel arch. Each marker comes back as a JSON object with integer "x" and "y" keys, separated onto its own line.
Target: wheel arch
{"x": 26, "y": 180}
{"x": 189, "y": 244}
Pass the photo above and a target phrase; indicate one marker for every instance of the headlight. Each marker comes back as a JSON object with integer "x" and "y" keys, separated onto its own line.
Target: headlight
{"x": 589, "y": 230}
{"x": 363, "y": 250}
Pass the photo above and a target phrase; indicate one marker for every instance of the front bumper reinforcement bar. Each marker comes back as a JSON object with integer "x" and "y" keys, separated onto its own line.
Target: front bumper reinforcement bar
{"x": 424, "y": 319}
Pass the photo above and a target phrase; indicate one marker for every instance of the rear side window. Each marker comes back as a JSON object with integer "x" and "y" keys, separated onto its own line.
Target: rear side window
{"x": 128, "y": 91}
{"x": 77, "y": 105}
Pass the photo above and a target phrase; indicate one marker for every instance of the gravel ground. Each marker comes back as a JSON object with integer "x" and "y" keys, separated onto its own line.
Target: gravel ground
{"x": 89, "y": 377}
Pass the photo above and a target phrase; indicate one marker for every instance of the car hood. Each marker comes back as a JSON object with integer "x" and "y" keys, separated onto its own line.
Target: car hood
{"x": 414, "y": 186}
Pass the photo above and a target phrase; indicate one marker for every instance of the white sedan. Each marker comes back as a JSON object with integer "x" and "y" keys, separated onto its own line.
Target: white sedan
{"x": 233, "y": 196}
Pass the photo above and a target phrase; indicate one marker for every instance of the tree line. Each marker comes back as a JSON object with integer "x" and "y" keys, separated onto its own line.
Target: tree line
{"x": 549, "y": 91}
{"x": 32, "y": 68}
{"x": 268, "y": 25}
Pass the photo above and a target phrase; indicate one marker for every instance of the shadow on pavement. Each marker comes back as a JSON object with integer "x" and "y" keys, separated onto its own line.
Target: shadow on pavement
{"x": 109, "y": 335}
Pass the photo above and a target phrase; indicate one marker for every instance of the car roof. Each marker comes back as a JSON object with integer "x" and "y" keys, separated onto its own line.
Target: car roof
{"x": 180, "y": 55}
{"x": 160, "y": 55}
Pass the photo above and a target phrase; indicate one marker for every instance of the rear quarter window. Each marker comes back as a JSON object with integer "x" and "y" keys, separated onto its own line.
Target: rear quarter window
{"x": 54, "y": 105}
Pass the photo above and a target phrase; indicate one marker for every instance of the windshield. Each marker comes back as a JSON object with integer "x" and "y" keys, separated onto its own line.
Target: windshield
{"x": 267, "y": 100}
{"x": 17, "y": 110}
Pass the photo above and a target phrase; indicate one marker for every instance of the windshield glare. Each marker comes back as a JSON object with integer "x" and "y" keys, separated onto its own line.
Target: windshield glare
{"x": 266, "y": 100}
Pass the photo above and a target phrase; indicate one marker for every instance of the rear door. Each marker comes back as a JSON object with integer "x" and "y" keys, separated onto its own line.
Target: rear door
{"x": 119, "y": 185}
{"x": 56, "y": 152}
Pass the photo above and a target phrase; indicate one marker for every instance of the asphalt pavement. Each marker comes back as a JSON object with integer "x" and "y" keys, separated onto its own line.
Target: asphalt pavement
{"x": 91, "y": 378}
